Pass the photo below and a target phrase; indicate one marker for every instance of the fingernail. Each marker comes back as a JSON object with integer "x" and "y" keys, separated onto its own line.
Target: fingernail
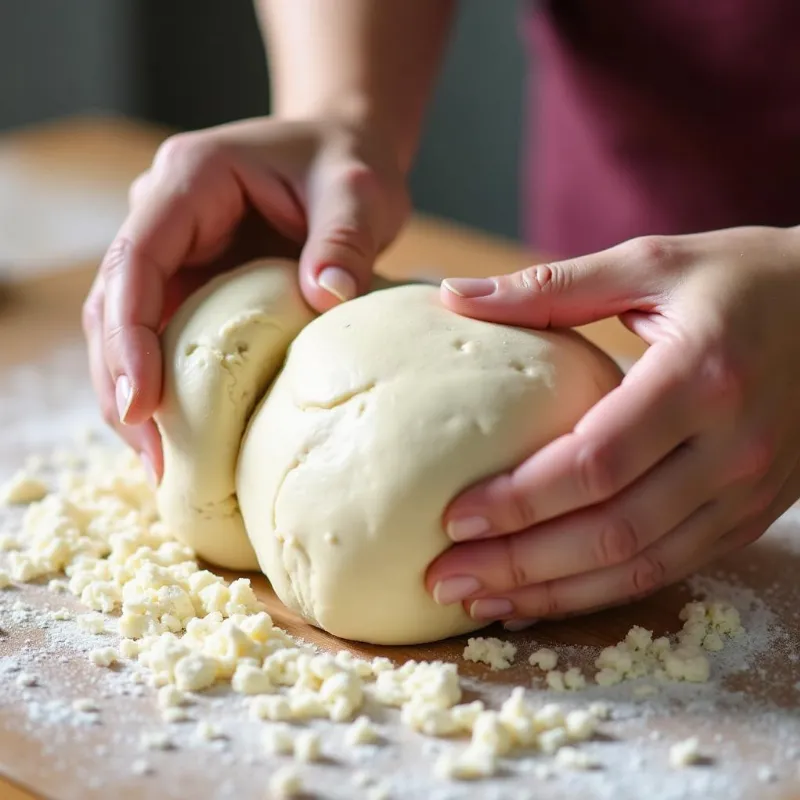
{"x": 459, "y": 530}
{"x": 124, "y": 396}
{"x": 470, "y": 287}
{"x": 490, "y": 608}
{"x": 338, "y": 282}
{"x": 514, "y": 625}
{"x": 149, "y": 471}
{"x": 455, "y": 589}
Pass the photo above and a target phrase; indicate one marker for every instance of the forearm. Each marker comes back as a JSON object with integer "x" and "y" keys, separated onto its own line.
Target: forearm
{"x": 371, "y": 61}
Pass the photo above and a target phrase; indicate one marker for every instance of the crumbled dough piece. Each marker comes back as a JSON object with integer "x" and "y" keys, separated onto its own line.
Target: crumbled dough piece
{"x": 25, "y": 679}
{"x": 639, "y": 655}
{"x": 599, "y": 709}
{"x": 92, "y": 622}
{"x": 544, "y": 658}
{"x": 85, "y": 705}
{"x": 103, "y": 656}
{"x": 195, "y": 672}
{"x": 307, "y": 746}
{"x": 496, "y": 653}
{"x": 129, "y": 648}
{"x": 8, "y": 543}
{"x": 572, "y": 758}
{"x": 766, "y": 774}
{"x": 250, "y": 679}
{"x": 580, "y": 724}
{"x": 141, "y": 767}
{"x": 156, "y": 740}
{"x": 170, "y": 697}
{"x": 574, "y": 680}
{"x": 286, "y": 782}
{"x": 470, "y": 764}
{"x": 685, "y": 753}
{"x": 277, "y": 740}
{"x": 271, "y": 707}
{"x": 362, "y": 731}
{"x": 61, "y": 615}
{"x": 551, "y": 741}
{"x": 21, "y": 489}
{"x": 209, "y": 731}
{"x": 175, "y": 714}
{"x": 361, "y": 779}
{"x": 380, "y": 792}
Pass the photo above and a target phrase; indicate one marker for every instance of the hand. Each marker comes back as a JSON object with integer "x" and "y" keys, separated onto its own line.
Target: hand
{"x": 694, "y": 455}
{"x": 213, "y": 200}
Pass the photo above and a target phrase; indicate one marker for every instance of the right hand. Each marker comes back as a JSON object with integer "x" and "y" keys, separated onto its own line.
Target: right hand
{"x": 212, "y": 200}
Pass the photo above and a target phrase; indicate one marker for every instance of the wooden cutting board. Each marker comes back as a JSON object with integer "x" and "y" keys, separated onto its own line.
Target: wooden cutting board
{"x": 750, "y": 726}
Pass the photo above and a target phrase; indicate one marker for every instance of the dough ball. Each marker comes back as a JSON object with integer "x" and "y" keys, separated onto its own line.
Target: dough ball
{"x": 221, "y": 350}
{"x": 387, "y": 407}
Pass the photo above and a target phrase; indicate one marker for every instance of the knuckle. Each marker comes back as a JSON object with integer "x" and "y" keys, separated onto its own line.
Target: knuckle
{"x": 756, "y": 456}
{"x": 543, "y": 278}
{"x": 111, "y": 337}
{"x": 189, "y": 152}
{"x": 617, "y": 542}
{"x": 90, "y": 314}
{"x": 723, "y": 381}
{"x": 651, "y": 252}
{"x": 109, "y": 413}
{"x": 749, "y": 534}
{"x": 354, "y": 239}
{"x": 648, "y": 574}
{"x": 515, "y": 564}
{"x": 116, "y": 256}
{"x": 595, "y": 472}
{"x": 761, "y": 499}
{"x": 360, "y": 180}
{"x": 550, "y": 604}
{"x": 138, "y": 188}
{"x": 520, "y": 506}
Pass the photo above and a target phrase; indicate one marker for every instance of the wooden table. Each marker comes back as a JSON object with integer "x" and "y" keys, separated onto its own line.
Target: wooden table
{"x": 40, "y": 308}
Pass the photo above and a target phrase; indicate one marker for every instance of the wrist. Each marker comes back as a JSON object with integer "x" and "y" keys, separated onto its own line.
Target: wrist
{"x": 361, "y": 116}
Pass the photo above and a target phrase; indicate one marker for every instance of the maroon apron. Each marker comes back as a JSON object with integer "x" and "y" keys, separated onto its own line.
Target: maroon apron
{"x": 660, "y": 116}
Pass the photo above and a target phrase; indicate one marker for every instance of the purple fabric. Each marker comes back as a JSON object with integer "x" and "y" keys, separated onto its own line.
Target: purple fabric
{"x": 660, "y": 116}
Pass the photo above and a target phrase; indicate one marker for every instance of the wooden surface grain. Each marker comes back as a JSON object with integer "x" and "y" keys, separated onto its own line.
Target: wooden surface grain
{"x": 40, "y": 310}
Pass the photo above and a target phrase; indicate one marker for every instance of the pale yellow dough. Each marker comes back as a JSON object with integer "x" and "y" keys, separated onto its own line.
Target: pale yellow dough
{"x": 221, "y": 351}
{"x": 388, "y": 406}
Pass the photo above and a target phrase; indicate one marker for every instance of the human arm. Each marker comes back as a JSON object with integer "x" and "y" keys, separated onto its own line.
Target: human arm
{"x": 323, "y": 180}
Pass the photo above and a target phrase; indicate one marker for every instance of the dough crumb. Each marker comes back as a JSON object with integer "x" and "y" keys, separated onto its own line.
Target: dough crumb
{"x": 286, "y": 782}
{"x": 685, "y": 753}
{"x": 22, "y": 488}
{"x": 544, "y": 658}
{"x": 493, "y": 652}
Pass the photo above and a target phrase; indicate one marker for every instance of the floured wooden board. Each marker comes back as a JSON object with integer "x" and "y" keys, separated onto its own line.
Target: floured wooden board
{"x": 746, "y": 718}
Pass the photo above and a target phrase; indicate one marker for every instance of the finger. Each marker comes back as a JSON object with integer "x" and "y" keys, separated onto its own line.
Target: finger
{"x": 589, "y": 539}
{"x": 193, "y": 201}
{"x": 627, "y": 433}
{"x": 671, "y": 558}
{"x": 139, "y": 188}
{"x": 144, "y": 439}
{"x": 632, "y": 275}
{"x": 343, "y": 236}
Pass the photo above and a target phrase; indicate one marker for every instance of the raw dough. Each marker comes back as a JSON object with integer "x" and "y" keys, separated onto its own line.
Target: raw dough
{"x": 388, "y": 406}
{"x": 221, "y": 350}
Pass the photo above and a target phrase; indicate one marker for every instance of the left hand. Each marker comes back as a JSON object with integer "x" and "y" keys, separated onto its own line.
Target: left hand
{"x": 694, "y": 455}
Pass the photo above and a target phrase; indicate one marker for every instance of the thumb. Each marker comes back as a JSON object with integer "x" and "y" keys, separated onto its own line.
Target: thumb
{"x": 339, "y": 254}
{"x": 565, "y": 293}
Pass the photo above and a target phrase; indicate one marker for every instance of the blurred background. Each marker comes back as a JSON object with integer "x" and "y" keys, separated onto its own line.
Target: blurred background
{"x": 194, "y": 63}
